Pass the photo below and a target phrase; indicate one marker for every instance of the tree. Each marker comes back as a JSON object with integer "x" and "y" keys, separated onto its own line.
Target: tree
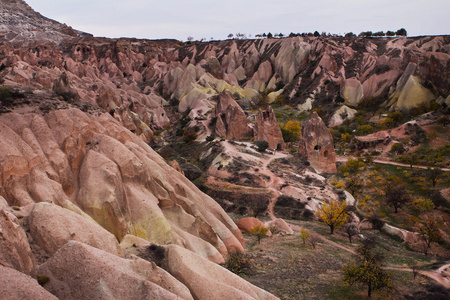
{"x": 230, "y": 36}
{"x": 444, "y": 120}
{"x": 409, "y": 158}
{"x": 433, "y": 175}
{"x": 401, "y": 32}
{"x": 429, "y": 233}
{"x": 259, "y": 231}
{"x": 350, "y": 230}
{"x": 293, "y": 126}
{"x": 333, "y": 214}
{"x": 352, "y": 166}
{"x": 395, "y": 193}
{"x": 304, "y": 234}
{"x": 190, "y": 39}
{"x": 314, "y": 240}
{"x": 353, "y": 184}
{"x": 367, "y": 270}
{"x": 316, "y": 33}
{"x": 390, "y": 33}
{"x": 262, "y": 145}
{"x": 269, "y": 35}
{"x": 379, "y": 33}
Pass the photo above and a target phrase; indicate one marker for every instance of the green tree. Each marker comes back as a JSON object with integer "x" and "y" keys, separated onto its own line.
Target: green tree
{"x": 401, "y": 32}
{"x": 352, "y": 166}
{"x": 334, "y": 214}
{"x": 433, "y": 175}
{"x": 262, "y": 145}
{"x": 409, "y": 158}
{"x": 367, "y": 270}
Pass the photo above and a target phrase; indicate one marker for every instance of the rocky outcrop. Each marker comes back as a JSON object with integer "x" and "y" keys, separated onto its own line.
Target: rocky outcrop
{"x": 16, "y": 285}
{"x": 207, "y": 280}
{"x": 91, "y": 165}
{"x": 231, "y": 119}
{"x": 79, "y": 271}
{"x": 316, "y": 144}
{"x": 15, "y": 251}
{"x": 247, "y": 224}
{"x": 267, "y": 129}
{"x": 280, "y": 225}
{"x": 51, "y": 226}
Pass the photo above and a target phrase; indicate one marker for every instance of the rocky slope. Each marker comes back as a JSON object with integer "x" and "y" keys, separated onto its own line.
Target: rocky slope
{"x": 79, "y": 179}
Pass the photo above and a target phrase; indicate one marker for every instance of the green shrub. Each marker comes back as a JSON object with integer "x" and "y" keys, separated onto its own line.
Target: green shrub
{"x": 262, "y": 145}
{"x": 210, "y": 138}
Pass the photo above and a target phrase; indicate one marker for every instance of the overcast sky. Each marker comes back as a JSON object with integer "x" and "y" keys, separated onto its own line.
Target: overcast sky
{"x": 157, "y": 19}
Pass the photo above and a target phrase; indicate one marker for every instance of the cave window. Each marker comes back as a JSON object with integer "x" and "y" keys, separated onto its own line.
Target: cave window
{"x": 325, "y": 154}
{"x": 317, "y": 147}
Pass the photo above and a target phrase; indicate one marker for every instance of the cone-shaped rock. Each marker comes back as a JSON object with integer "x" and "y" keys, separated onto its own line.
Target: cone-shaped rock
{"x": 316, "y": 144}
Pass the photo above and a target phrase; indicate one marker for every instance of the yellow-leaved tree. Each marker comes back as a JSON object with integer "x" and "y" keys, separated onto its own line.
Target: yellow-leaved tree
{"x": 333, "y": 214}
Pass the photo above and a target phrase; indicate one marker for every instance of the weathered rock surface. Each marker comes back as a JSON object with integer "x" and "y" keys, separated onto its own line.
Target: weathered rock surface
{"x": 91, "y": 164}
{"x": 79, "y": 271}
{"x": 231, "y": 119}
{"x": 15, "y": 251}
{"x": 267, "y": 129}
{"x": 16, "y": 285}
{"x": 316, "y": 144}
{"x": 52, "y": 226}
{"x": 207, "y": 280}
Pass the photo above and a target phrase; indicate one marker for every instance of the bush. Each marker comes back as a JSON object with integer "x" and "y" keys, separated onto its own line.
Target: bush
{"x": 210, "y": 138}
{"x": 397, "y": 147}
{"x": 259, "y": 231}
{"x": 237, "y": 262}
{"x": 262, "y": 145}
{"x": 189, "y": 135}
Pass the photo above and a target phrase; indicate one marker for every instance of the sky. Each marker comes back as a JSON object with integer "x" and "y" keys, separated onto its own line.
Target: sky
{"x": 212, "y": 19}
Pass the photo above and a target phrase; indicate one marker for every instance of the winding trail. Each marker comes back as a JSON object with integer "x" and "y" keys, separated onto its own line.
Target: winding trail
{"x": 389, "y": 162}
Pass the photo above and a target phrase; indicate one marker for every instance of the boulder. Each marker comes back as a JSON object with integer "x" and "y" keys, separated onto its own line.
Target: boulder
{"x": 52, "y": 226}
{"x": 280, "y": 225}
{"x": 246, "y": 224}
{"x": 15, "y": 251}
{"x": 207, "y": 280}
{"x": 16, "y": 285}
{"x": 79, "y": 271}
{"x": 316, "y": 144}
{"x": 267, "y": 129}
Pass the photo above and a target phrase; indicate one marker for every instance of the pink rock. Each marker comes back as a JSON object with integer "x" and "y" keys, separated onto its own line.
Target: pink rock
{"x": 15, "y": 251}
{"x": 208, "y": 280}
{"x": 246, "y": 224}
{"x": 316, "y": 144}
{"x": 280, "y": 225}
{"x": 52, "y": 226}
{"x": 79, "y": 271}
{"x": 16, "y": 285}
{"x": 267, "y": 129}
{"x": 231, "y": 119}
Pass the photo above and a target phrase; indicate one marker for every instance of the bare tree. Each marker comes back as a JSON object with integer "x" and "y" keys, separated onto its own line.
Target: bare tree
{"x": 314, "y": 239}
{"x": 350, "y": 230}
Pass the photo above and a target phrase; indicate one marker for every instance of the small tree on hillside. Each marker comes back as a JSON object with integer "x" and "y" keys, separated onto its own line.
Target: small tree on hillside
{"x": 333, "y": 214}
{"x": 350, "y": 230}
{"x": 353, "y": 184}
{"x": 395, "y": 193}
{"x": 262, "y": 145}
{"x": 429, "y": 233}
{"x": 433, "y": 174}
{"x": 368, "y": 269}
{"x": 259, "y": 231}
{"x": 304, "y": 234}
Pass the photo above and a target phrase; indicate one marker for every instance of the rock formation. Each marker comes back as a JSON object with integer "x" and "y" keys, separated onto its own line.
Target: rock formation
{"x": 15, "y": 251}
{"x": 16, "y": 285}
{"x": 316, "y": 144}
{"x": 231, "y": 119}
{"x": 267, "y": 129}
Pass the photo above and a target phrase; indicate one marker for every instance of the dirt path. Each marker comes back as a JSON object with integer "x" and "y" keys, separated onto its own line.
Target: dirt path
{"x": 274, "y": 183}
{"x": 388, "y": 162}
{"x": 439, "y": 275}
{"x": 348, "y": 249}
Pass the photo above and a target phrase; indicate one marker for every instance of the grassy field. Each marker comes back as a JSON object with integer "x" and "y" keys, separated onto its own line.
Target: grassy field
{"x": 289, "y": 269}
